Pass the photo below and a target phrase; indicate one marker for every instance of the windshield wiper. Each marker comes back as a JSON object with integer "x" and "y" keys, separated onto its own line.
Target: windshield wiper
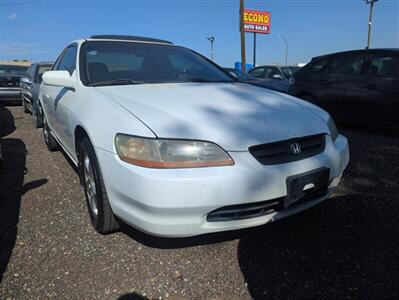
{"x": 121, "y": 81}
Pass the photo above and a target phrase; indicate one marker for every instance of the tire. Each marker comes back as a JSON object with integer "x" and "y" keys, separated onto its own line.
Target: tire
{"x": 100, "y": 211}
{"x": 26, "y": 110}
{"x": 49, "y": 140}
{"x": 37, "y": 117}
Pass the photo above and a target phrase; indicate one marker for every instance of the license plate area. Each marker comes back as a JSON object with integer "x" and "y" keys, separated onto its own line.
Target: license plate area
{"x": 306, "y": 186}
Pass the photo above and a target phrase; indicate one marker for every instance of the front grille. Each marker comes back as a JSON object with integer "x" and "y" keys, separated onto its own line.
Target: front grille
{"x": 244, "y": 211}
{"x": 9, "y": 82}
{"x": 282, "y": 152}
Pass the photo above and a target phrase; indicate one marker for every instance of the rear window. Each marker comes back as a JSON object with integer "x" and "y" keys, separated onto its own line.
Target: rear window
{"x": 13, "y": 70}
{"x": 289, "y": 71}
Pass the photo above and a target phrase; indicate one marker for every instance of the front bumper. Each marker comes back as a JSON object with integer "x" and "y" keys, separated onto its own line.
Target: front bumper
{"x": 176, "y": 202}
{"x": 10, "y": 94}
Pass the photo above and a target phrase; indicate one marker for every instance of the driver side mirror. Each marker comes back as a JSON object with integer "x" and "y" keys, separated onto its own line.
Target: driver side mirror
{"x": 59, "y": 78}
{"x": 277, "y": 76}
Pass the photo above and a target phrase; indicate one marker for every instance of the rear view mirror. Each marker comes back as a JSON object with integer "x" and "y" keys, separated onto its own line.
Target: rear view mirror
{"x": 277, "y": 76}
{"x": 59, "y": 78}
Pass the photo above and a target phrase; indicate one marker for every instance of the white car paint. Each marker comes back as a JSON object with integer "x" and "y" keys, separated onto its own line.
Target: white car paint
{"x": 175, "y": 202}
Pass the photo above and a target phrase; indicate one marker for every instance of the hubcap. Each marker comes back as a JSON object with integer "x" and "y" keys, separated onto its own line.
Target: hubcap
{"x": 90, "y": 185}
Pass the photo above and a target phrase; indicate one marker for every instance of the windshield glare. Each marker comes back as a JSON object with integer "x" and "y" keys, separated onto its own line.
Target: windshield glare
{"x": 13, "y": 70}
{"x": 124, "y": 62}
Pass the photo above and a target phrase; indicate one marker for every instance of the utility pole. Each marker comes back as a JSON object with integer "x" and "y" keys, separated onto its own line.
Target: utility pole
{"x": 212, "y": 40}
{"x": 286, "y": 48}
{"x": 243, "y": 63}
{"x": 371, "y": 2}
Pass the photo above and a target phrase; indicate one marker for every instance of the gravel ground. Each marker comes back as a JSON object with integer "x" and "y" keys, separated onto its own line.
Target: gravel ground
{"x": 346, "y": 247}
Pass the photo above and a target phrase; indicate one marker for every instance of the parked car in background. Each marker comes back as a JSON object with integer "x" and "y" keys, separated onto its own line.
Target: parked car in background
{"x": 173, "y": 145}
{"x": 10, "y": 74}
{"x": 246, "y": 78}
{"x": 360, "y": 87}
{"x": 1, "y": 145}
{"x": 280, "y": 75}
{"x": 30, "y": 85}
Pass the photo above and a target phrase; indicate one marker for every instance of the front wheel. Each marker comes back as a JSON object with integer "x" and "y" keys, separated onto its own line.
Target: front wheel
{"x": 49, "y": 140}
{"x": 37, "y": 117}
{"x": 100, "y": 211}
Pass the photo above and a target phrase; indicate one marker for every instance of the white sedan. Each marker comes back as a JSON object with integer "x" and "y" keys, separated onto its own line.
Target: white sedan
{"x": 173, "y": 145}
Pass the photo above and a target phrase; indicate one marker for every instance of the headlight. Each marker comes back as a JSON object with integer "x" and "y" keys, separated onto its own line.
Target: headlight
{"x": 164, "y": 153}
{"x": 333, "y": 129}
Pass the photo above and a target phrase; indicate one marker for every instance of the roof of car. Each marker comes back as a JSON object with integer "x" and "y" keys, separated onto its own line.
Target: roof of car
{"x": 357, "y": 51}
{"x": 129, "y": 38}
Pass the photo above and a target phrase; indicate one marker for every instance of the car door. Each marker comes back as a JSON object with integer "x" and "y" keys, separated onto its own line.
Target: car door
{"x": 58, "y": 99}
{"x": 341, "y": 85}
{"x": 381, "y": 100}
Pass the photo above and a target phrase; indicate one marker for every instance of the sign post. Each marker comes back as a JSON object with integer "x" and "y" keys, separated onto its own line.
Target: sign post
{"x": 254, "y": 49}
{"x": 254, "y": 21}
{"x": 242, "y": 32}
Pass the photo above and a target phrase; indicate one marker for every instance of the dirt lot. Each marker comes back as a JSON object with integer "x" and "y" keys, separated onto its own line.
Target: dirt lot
{"x": 346, "y": 247}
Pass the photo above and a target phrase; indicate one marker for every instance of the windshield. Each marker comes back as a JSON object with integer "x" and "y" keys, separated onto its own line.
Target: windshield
{"x": 111, "y": 62}
{"x": 289, "y": 71}
{"x": 12, "y": 70}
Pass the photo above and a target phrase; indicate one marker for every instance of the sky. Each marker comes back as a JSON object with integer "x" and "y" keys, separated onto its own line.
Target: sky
{"x": 40, "y": 29}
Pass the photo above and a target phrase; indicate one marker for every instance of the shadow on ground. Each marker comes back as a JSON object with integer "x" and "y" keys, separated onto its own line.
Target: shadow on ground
{"x": 347, "y": 247}
{"x": 11, "y": 187}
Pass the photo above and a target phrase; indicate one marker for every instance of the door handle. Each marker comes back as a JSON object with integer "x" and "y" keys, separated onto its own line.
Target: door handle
{"x": 371, "y": 86}
{"x": 324, "y": 82}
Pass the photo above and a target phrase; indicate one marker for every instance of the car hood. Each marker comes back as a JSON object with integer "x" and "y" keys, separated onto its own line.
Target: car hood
{"x": 232, "y": 115}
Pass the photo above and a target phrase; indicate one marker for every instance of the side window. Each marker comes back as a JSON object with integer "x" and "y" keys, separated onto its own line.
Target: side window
{"x": 258, "y": 72}
{"x": 348, "y": 64}
{"x": 318, "y": 66}
{"x": 271, "y": 71}
{"x": 384, "y": 66}
{"x": 30, "y": 72}
{"x": 68, "y": 61}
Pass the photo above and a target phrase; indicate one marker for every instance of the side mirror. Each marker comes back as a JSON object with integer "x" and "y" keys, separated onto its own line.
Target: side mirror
{"x": 59, "y": 78}
{"x": 277, "y": 76}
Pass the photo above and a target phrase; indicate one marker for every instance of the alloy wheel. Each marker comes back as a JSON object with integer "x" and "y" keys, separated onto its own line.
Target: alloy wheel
{"x": 90, "y": 185}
